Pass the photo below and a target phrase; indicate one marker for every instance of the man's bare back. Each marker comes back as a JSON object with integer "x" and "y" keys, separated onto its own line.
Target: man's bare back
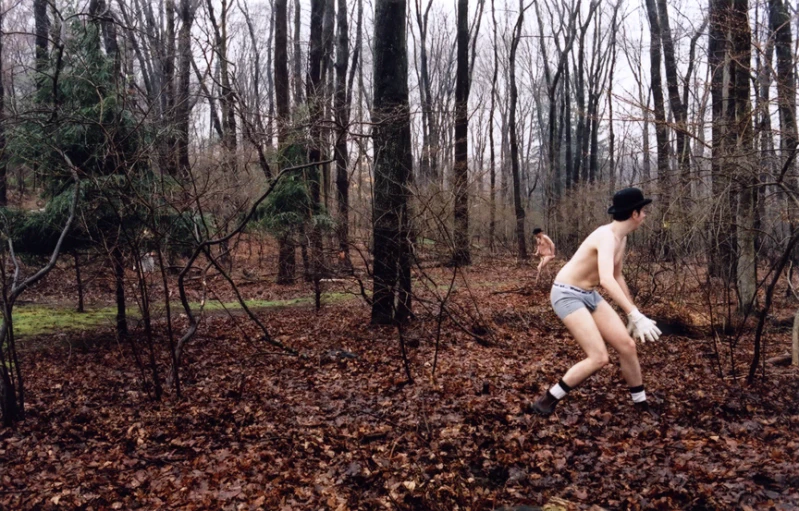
{"x": 582, "y": 270}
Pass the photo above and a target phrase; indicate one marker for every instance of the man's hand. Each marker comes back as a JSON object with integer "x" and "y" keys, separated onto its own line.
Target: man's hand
{"x": 643, "y": 328}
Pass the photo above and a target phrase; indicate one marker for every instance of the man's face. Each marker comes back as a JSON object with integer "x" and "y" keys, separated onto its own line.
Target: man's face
{"x": 639, "y": 216}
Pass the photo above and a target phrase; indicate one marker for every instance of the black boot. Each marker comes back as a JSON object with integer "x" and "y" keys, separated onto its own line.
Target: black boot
{"x": 644, "y": 408}
{"x": 544, "y": 405}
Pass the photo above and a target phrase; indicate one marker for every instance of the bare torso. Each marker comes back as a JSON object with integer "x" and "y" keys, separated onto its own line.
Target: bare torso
{"x": 546, "y": 247}
{"x": 582, "y": 270}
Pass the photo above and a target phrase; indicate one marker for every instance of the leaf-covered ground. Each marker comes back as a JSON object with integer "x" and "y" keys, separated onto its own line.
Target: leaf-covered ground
{"x": 258, "y": 429}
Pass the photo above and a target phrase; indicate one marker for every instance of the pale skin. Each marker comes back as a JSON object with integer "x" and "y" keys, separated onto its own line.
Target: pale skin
{"x": 599, "y": 262}
{"x": 545, "y": 248}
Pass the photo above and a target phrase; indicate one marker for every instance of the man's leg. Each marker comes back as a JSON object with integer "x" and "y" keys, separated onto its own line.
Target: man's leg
{"x": 544, "y": 261}
{"x": 615, "y": 333}
{"x": 582, "y": 326}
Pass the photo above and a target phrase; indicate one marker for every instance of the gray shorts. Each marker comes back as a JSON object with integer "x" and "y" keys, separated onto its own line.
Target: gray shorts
{"x": 566, "y": 299}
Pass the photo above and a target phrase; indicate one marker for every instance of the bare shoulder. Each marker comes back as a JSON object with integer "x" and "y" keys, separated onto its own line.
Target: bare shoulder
{"x": 602, "y": 236}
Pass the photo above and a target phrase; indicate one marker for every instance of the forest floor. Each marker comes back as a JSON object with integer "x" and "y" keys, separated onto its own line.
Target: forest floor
{"x": 341, "y": 428}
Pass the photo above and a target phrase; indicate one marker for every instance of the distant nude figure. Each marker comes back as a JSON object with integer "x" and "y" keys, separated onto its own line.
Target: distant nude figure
{"x": 147, "y": 262}
{"x": 545, "y": 248}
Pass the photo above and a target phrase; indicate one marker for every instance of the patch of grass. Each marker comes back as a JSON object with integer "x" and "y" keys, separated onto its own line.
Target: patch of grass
{"x": 39, "y": 320}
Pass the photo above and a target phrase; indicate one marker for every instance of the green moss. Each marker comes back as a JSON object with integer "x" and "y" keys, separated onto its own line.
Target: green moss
{"x": 39, "y": 320}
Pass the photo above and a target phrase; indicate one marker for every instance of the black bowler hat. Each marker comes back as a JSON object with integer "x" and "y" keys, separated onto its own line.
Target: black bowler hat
{"x": 628, "y": 199}
{"x": 537, "y": 230}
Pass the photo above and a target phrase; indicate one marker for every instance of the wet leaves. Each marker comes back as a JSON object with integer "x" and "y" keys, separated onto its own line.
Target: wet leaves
{"x": 333, "y": 431}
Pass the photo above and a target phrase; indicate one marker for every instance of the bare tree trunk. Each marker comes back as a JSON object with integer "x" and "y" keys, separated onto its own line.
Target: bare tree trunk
{"x": 281, "y": 72}
{"x": 462, "y": 254}
{"x": 78, "y": 281}
{"x": 3, "y": 163}
{"x": 780, "y": 24}
{"x": 746, "y": 271}
{"x": 677, "y": 107}
{"x": 514, "y": 146}
{"x": 429, "y": 170}
{"x": 342, "y": 111}
{"x": 182, "y": 102}
{"x": 661, "y": 133}
{"x": 118, "y": 263}
{"x": 286, "y": 247}
{"x": 492, "y": 200}
{"x": 298, "y": 97}
{"x": 393, "y": 158}
{"x": 42, "y": 27}
{"x": 169, "y": 100}
{"x": 315, "y": 97}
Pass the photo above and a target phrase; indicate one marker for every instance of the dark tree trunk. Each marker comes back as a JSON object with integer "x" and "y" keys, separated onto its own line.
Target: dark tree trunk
{"x": 514, "y": 145}
{"x": 118, "y": 263}
{"x": 721, "y": 252}
{"x": 42, "y": 28}
{"x": 315, "y": 97}
{"x": 661, "y": 133}
{"x": 462, "y": 254}
{"x": 567, "y": 126}
{"x": 342, "y": 111}
{"x": 3, "y": 164}
{"x": 78, "y": 281}
{"x": 281, "y": 71}
{"x": 182, "y": 101}
{"x": 171, "y": 140}
{"x": 287, "y": 263}
{"x": 745, "y": 173}
{"x": 393, "y": 161}
{"x": 430, "y": 132}
{"x": 298, "y": 97}
{"x": 780, "y": 23}
{"x": 678, "y": 109}
{"x": 492, "y": 198}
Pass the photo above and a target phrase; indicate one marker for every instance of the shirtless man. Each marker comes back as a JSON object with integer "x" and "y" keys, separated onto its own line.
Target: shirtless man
{"x": 544, "y": 248}
{"x": 589, "y": 318}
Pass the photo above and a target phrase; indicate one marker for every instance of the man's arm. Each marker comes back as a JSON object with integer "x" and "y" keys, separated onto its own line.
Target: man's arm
{"x": 607, "y": 274}
{"x": 639, "y": 325}
{"x": 619, "y": 276}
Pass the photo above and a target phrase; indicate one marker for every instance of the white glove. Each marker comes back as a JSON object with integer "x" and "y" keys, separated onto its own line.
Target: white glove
{"x": 631, "y": 327}
{"x": 644, "y": 329}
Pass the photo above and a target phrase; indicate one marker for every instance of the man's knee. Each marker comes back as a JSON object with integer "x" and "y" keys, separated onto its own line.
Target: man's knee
{"x": 627, "y": 347}
{"x": 600, "y": 360}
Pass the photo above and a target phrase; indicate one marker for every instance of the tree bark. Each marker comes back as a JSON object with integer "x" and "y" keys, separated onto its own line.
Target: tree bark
{"x": 678, "y": 109}
{"x": 462, "y": 254}
{"x": 780, "y": 24}
{"x": 514, "y": 146}
{"x": 393, "y": 158}
{"x": 661, "y": 133}
{"x": 315, "y": 97}
{"x": 719, "y": 259}
{"x": 298, "y": 97}
{"x": 342, "y": 112}
{"x": 118, "y": 263}
{"x": 182, "y": 102}
{"x": 492, "y": 200}
{"x": 3, "y": 164}
{"x": 42, "y": 27}
{"x": 746, "y": 270}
